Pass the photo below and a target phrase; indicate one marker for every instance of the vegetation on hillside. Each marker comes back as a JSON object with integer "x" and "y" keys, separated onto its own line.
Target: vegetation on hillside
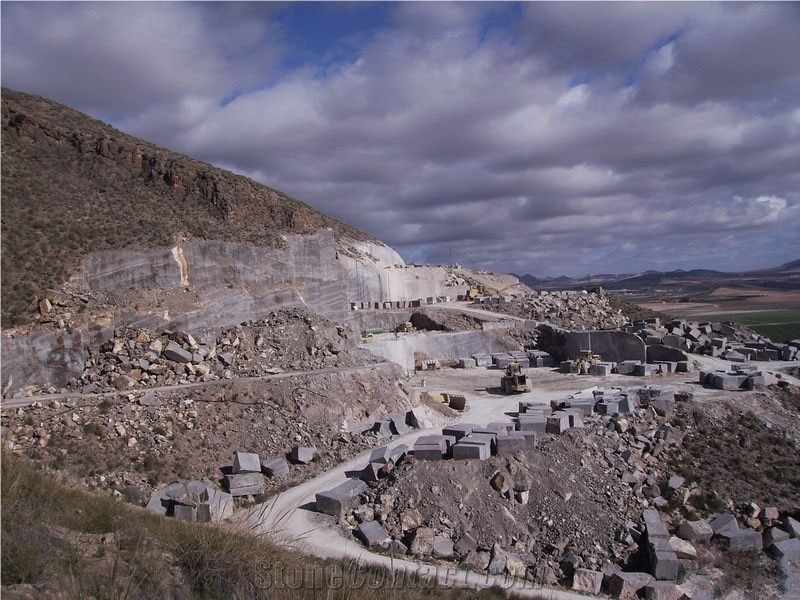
{"x": 73, "y": 185}
{"x": 65, "y": 542}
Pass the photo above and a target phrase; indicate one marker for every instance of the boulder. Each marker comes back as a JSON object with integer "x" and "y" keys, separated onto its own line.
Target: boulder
{"x": 682, "y": 548}
{"x": 422, "y": 544}
{"x": 442, "y": 547}
{"x": 372, "y": 534}
{"x": 275, "y": 467}
{"x": 696, "y": 531}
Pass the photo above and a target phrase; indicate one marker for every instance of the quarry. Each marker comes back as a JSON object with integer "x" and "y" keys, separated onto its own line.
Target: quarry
{"x": 315, "y": 387}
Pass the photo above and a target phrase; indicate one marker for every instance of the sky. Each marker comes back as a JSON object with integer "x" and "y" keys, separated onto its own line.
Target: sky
{"x": 546, "y": 138}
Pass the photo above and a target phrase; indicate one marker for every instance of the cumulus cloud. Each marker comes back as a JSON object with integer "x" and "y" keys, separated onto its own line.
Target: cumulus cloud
{"x": 561, "y": 138}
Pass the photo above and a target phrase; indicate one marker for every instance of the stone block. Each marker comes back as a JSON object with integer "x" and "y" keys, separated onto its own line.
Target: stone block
{"x": 177, "y": 354}
{"x": 511, "y": 443}
{"x": 662, "y": 590}
{"x": 482, "y": 360}
{"x": 727, "y": 381}
{"x": 397, "y": 423}
{"x": 380, "y": 455}
{"x": 185, "y": 513}
{"x": 600, "y": 369}
{"x": 245, "y": 484}
{"x": 536, "y": 423}
{"x": 398, "y": 453}
{"x": 724, "y": 522}
{"x": 246, "y": 462}
{"x": 417, "y": 418}
{"x": 627, "y": 585}
{"x": 788, "y": 549}
{"x": 372, "y": 534}
{"x": 430, "y": 447}
{"x": 422, "y": 543}
{"x": 216, "y": 506}
{"x": 467, "y": 363}
{"x": 644, "y": 370}
{"x": 696, "y": 531}
{"x": 442, "y": 547}
{"x": 275, "y": 467}
{"x": 665, "y": 564}
{"x": 557, "y": 423}
{"x": 627, "y": 367}
{"x": 792, "y": 526}
{"x": 382, "y": 429}
{"x": 654, "y": 525}
{"x": 398, "y": 548}
{"x": 303, "y": 455}
{"x": 741, "y": 540}
{"x": 458, "y": 430}
{"x": 588, "y": 581}
{"x": 372, "y": 472}
{"x": 610, "y": 407}
{"x": 341, "y": 499}
{"x": 158, "y": 503}
{"x": 773, "y": 534}
{"x": 458, "y": 402}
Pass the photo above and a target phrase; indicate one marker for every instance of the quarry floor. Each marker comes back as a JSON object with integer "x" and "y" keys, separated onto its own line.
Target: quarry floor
{"x": 290, "y": 516}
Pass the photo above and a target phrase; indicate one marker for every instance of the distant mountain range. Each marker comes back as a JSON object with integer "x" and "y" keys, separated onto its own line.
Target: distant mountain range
{"x": 785, "y": 277}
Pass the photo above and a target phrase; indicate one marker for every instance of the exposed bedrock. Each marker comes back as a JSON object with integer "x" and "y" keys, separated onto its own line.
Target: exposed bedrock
{"x": 201, "y": 284}
{"x": 445, "y": 346}
{"x": 614, "y": 346}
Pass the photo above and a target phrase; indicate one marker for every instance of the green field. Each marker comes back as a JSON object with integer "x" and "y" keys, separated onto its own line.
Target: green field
{"x": 778, "y": 325}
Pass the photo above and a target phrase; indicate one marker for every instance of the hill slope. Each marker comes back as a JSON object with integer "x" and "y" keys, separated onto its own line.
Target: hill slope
{"x": 72, "y": 185}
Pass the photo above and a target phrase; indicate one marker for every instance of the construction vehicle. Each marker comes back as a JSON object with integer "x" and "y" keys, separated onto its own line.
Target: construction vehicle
{"x": 514, "y": 381}
{"x": 583, "y": 363}
{"x": 475, "y": 292}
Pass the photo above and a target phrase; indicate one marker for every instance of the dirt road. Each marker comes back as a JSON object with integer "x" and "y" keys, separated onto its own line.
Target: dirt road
{"x": 28, "y": 400}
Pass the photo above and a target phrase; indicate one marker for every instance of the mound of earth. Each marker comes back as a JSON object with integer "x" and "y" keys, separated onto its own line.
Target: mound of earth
{"x": 425, "y": 319}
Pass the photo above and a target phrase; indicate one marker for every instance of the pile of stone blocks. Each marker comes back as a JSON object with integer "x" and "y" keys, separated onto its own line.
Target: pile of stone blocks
{"x": 245, "y": 477}
{"x": 726, "y": 528}
{"x": 192, "y": 501}
{"x": 482, "y": 360}
{"x": 540, "y": 358}
{"x": 664, "y": 562}
{"x": 341, "y": 499}
{"x": 713, "y": 339}
{"x": 382, "y": 462}
{"x": 739, "y": 377}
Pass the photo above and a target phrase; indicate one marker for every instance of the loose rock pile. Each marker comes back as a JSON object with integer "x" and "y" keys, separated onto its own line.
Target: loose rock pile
{"x": 567, "y": 309}
{"x": 130, "y": 444}
{"x": 290, "y": 340}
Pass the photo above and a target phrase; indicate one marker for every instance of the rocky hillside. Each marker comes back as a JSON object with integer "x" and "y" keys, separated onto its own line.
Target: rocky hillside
{"x": 73, "y": 185}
